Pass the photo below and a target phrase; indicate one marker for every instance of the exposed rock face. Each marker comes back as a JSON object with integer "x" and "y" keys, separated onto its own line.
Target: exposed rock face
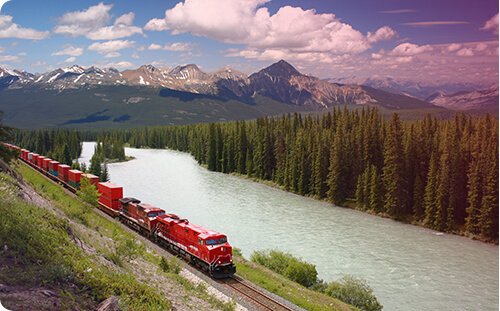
{"x": 283, "y": 83}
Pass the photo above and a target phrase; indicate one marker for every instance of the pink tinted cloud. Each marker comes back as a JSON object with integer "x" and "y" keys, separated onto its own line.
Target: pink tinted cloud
{"x": 290, "y": 29}
{"x": 492, "y": 24}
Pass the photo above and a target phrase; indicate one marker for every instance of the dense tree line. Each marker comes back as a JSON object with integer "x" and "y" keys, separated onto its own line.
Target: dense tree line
{"x": 62, "y": 145}
{"x": 6, "y": 154}
{"x": 441, "y": 173}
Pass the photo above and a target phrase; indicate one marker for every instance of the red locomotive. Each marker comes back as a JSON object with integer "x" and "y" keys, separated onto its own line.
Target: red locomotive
{"x": 140, "y": 216}
{"x": 205, "y": 248}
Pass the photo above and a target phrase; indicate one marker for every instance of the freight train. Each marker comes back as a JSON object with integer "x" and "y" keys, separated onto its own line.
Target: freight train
{"x": 204, "y": 248}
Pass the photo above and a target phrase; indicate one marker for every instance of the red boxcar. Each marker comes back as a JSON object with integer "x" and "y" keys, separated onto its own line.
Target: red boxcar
{"x": 63, "y": 172}
{"x": 45, "y": 164}
{"x": 110, "y": 190}
{"x": 75, "y": 175}
{"x": 35, "y": 158}
{"x": 110, "y": 194}
{"x": 40, "y": 161}
{"x": 94, "y": 180}
{"x": 204, "y": 247}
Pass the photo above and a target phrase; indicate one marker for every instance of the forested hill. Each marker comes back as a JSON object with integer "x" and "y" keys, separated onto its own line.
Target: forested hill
{"x": 439, "y": 173}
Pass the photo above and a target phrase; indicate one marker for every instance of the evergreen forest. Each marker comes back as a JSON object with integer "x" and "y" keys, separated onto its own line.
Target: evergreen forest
{"x": 442, "y": 174}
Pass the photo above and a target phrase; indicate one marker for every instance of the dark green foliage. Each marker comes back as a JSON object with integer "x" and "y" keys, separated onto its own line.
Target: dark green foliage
{"x": 61, "y": 145}
{"x": 430, "y": 171}
{"x": 287, "y": 265}
{"x": 88, "y": 193}
{"x": 6, "y": 154}
{"x": 354, "y": 291}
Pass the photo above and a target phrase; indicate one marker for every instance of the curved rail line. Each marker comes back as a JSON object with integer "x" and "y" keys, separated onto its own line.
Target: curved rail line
{"x": 262, "y": 300}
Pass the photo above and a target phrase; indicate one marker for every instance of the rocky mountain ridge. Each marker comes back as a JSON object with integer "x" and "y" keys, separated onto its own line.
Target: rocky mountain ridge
{"x": 280, "y": 82}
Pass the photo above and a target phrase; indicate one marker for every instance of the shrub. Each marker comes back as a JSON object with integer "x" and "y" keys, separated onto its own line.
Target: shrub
{"x": 164, "y": 264}
{"x": 302, "y": 272}
{"x": 354, "y": 291}
{"x": 287, "y": 265}
{"x": 172, "y": 266}
{"x": 88, "y": 193}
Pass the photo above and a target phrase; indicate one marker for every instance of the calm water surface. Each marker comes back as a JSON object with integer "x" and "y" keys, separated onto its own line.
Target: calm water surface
{"x": 408, "y": 267}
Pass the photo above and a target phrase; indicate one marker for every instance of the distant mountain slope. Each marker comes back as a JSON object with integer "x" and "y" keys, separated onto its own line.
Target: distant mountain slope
{"x": 480, "y": 99}
{"x": 408, "y": 87}
{"x": 149, "y": 95}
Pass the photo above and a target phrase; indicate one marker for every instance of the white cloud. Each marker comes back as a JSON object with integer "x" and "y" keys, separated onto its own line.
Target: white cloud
{"x": 81, "y": 22}
{"x": 118, "y": 65}
{"x": 290, "y": 29}
{"x": 2, "y": 49}
{"x": 492, "y": 24}
{"x": 409, "y": 49}
{"x": 112, "y": 55}
{"x": 454, "y": 47}
{"x": 70, "y": 50}
{"x": 125, "y": 19}
{"x": 91, "y": 24}
{"x": 8, "y": 29}
{"x": 465, "y": 52}
{"x": 383, "y": 34}
{"x": 177, "y": 46}
{"x": 70, "y": 60}
{"x": 113, "y": 32}
{"x": 154, "y": 46}
{"x": 111, "y": 46}
{"x": 10, "y": 58}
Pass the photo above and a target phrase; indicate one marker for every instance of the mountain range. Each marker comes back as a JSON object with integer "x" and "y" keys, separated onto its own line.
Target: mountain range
{"x": 94, "y": 97}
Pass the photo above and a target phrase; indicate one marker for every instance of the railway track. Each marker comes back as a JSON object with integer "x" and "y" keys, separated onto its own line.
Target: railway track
{"x": 262, "y": 300}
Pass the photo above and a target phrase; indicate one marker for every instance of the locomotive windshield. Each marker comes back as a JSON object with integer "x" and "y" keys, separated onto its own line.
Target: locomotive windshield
{"x": 215, "y": 241}
{"x": 155, "y": 214}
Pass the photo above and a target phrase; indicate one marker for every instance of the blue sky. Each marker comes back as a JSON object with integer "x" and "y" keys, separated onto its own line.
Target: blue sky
{"x": 422, "y": 40}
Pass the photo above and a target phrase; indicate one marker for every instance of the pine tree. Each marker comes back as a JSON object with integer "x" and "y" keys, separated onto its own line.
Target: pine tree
{"x": 376, "y": 197}
{"x": 338, "y": 174}
{"x": 66, "y": 157}
{"x": 95, "y": 165}
{"x": 242, "y": 152}
{"x": 393, "y": 173}
{"x": 212, "y": 148}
